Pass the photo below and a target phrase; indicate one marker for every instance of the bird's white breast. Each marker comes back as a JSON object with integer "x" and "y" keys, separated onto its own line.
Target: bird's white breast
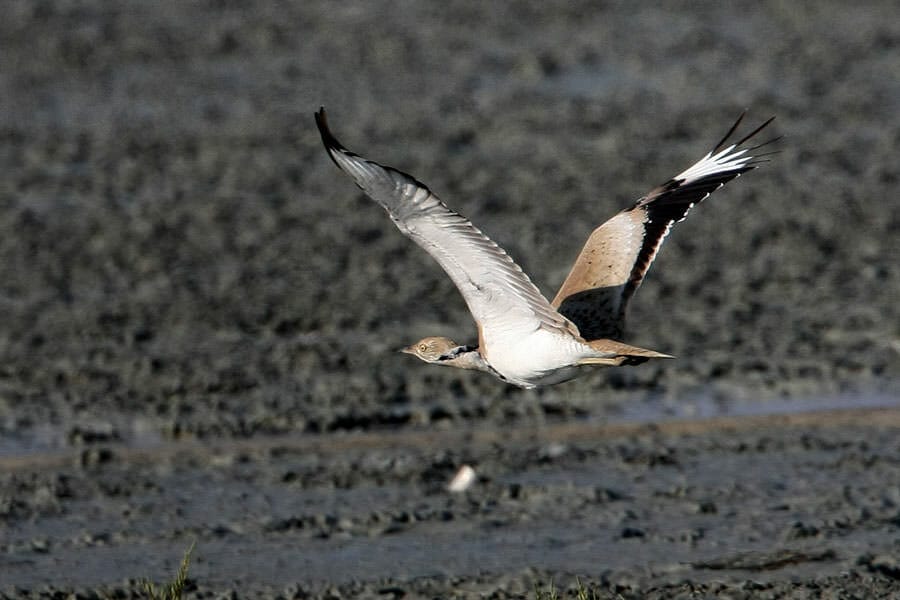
{"x": 542, "y": 356}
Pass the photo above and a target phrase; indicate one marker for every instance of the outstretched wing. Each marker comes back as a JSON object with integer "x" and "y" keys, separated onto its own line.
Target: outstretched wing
{"x": 618, "y": 254}
{"x": 501, "y": 298}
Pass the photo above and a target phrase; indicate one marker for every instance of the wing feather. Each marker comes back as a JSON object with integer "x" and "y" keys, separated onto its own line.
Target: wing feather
{"x": 496, "y": 290}
{"x": 615, "y": 259}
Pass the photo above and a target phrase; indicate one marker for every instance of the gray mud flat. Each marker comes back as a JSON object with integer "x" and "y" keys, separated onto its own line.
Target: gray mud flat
{"x": 771, "y": 500}
{"x": 198, "y": 313}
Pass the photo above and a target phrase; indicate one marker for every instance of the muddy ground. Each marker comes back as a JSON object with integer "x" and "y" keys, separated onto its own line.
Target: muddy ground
{"x": 199, "y": 313}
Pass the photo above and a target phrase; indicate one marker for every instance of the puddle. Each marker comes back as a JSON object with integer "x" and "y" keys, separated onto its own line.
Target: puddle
{"x": 142, "y": 433}
{"x": 702, "y": 407}
{"x": 44, "y": 438}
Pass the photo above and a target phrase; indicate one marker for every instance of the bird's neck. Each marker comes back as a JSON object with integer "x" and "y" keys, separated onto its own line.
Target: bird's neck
{"x": 465, "y": 357}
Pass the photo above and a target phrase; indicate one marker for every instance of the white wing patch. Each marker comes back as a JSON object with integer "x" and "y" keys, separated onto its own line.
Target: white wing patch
{"x": 728, "y": 159}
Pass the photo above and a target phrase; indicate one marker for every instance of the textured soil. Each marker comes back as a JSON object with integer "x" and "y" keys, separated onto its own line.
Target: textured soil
{"x": 199, "y": 312}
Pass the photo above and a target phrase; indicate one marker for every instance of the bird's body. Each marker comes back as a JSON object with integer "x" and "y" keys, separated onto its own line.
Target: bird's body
{"x": 540, "y": 357}
{"x": 523, "y": 338}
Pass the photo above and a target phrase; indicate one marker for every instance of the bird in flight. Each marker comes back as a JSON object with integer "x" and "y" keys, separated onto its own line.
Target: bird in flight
{"x": 523, "y": 338}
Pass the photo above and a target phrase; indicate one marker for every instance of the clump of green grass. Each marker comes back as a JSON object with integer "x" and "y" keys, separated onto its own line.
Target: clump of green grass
{"x": 581, "y": 592}
{"x": 173, "y": 589}
{"x": 549, "y": 594}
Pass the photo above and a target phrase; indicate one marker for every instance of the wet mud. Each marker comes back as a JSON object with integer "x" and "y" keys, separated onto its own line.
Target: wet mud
{"x": 199, "y": 314}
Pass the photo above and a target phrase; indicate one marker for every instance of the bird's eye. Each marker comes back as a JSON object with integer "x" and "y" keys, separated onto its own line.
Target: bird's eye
{"x": 423, "y": 347}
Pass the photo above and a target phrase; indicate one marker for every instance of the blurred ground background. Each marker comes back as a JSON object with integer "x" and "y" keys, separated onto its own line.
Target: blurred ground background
{"x": 199, "y": 311}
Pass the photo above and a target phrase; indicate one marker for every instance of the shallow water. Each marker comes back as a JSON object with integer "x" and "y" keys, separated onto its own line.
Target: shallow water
{"x": 703, "y": 406}
{"x": 143, "y": 434}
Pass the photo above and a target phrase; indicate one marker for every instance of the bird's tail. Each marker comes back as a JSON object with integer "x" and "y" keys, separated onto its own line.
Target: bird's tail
{"x": 617, "y": 353}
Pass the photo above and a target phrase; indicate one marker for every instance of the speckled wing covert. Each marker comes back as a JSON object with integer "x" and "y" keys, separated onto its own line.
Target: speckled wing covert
{"x": 618, "y": 254}
{"x": 498, "y": 293}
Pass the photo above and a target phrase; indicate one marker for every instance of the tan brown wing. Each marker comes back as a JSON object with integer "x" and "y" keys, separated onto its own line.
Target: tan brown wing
{"x": 615, "y": 259}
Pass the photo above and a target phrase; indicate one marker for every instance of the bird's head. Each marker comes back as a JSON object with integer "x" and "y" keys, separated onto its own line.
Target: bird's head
{"x": 431, "y": 349}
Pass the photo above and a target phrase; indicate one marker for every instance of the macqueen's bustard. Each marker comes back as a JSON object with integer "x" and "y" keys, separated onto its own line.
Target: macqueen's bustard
{"x": 522, "y": 338}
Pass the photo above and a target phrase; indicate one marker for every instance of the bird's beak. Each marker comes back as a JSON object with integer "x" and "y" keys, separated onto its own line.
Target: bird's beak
{"x": 406, "y": 350}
